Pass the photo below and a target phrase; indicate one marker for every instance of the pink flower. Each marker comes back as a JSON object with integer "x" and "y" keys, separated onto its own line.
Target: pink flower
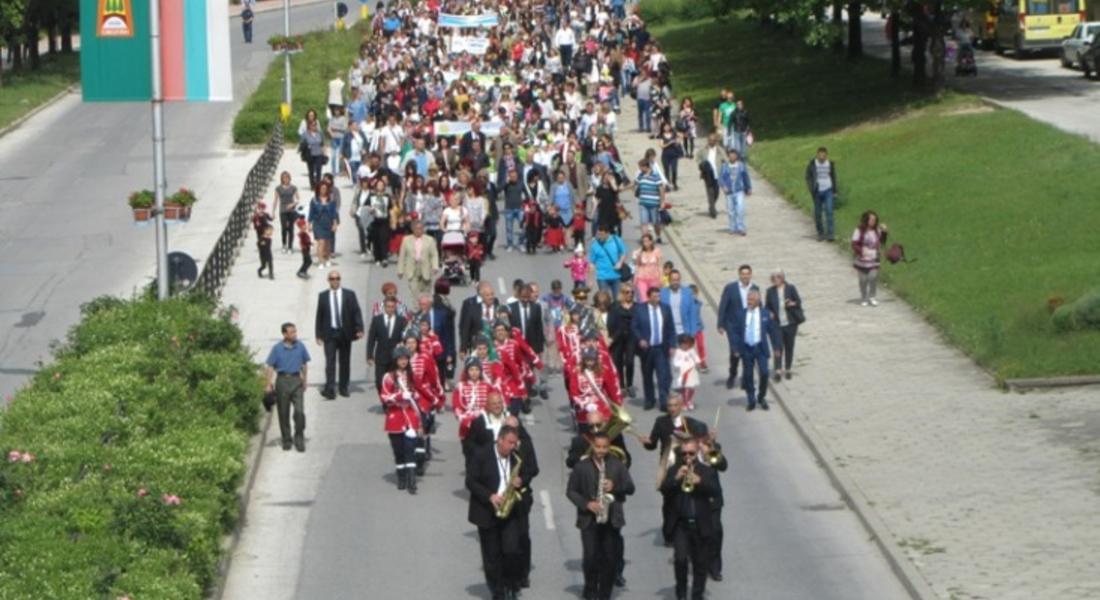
{"x": 142, "y": 492}
{"x": 171, "y": 499}
{"x": 57, "y": 375}
{"x": 14, "y": 456}
{"x": 27, "y": 457}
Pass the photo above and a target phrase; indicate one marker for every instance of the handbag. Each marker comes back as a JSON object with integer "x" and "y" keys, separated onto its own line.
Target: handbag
{"x": 750, "y": 139}
{"x": 796, "y": 315}
{"x": 269, "y": 400}
{"x": 664, "y": 216}
{"x": 626, "y": 273}
{"x": 303, "y": 150}
{"x": 896, "y": 253}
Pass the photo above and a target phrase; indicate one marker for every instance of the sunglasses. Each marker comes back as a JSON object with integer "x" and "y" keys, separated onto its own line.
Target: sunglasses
{"x": 334, "y": 279}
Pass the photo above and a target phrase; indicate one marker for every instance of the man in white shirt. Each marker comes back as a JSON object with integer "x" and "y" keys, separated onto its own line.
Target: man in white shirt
{"x": 730, "y": 309}
{"x": 710, "y": 162}
{"x": 565, "y": 40}
{"x": 755, "y": 331}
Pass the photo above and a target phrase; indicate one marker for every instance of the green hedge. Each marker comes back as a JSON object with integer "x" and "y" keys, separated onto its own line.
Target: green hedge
{"x": 146, "y": 403}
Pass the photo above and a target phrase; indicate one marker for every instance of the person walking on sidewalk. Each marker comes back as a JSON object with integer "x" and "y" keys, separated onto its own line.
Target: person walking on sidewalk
{"x": 711, "y": 160}
{"x": 867, "y": 241}
{"x": 821, "y": 179}
{"x": 312, "y": 147}
{"x": 643, "y": 93}
{"x": 755, "y": 334}
{"x": 287, "y": 366}
{"x": 650, "y": 190}
{"x": 730, "y": 308}
{"x": 305, "y": 243}
{"x": 286, "y": 205}
{"x": 785, "y": 305}
{"x": 267, "y": 260}
{"x": 652, "y": 326}
{"x": 247, "y": 17}
{"x": 739, "y": 125}
{"x": 607, "y": 253}
{"x": 647, "y": 266}
{"x": 324, "y": 216}
{"x": 339, "y": 322}
{"x": 723, "y": 114}
{"x": 735, "y": 182}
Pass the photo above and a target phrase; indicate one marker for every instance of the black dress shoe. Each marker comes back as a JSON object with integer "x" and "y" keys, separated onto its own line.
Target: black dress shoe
{"x": 716, "y": 576}
{"x": 620, "y": 581}
{"x": 787, "y": 374}
{"x": 299, "y": 442}
{"x": 524, "y": 583}
{"x": 730, "y": 382}
{"x": 751, "y": 407}
{"x": 764, "y": 404}
{"x": 329, "y": 394}
{"x": 287, "y": 444}
{"x": 649, "y": 405}
{"x": 344, "y": 392}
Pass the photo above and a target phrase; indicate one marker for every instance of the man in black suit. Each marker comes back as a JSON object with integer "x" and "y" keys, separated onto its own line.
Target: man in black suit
{"x": 483, "y": 430}
{"x": 339, "y": 322}
{"x": 476, "y": 311}
{"x": 386, "y": 332}
{"x": 708, "y": 446}
{"x": 526, "y": 314}
{"x": 655, "y": 331}
{"x": 730, "y": 308}
{"x": 670, "y": 430}
{"x": 599, "y": 514}
{"x": 692, "y": 524}
{"x": 489, "y": 479}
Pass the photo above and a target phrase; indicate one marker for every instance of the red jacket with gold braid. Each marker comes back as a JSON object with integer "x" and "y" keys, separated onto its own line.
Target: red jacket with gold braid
{"x": 400, "y": 398}
{"x": 529, "y": 360}
{"x": 511, "y": 382}
{"x": 431, "y": 341}
{"x": 427, "y": 374}
{"x": 590, "y": 391}
{"x": 468, "y": 402}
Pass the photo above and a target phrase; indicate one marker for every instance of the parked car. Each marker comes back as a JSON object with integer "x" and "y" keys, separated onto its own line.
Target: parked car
{"x": 1077, "y": 42}
{"x": 1090, "y": 57}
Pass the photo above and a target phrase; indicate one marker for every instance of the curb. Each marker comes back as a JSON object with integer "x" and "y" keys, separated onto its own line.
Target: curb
{"x": 244, "y": 493}
{"x": 908, "y": 575}
{"x": 41, "y": 107}
{"x": 1020, "y": 385}
{"x": 235, "y": 10}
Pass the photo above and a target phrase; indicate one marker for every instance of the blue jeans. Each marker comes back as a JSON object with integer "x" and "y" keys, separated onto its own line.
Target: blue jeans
{"x": 644, "y": 114}
{"x": 740, "y": 143}
{"x": 823, "y": 214}
{"x": 754, "y": 358}
{"x": 334, "y": 162}
{"x": 610, "y": 285}
{"x": 655, "y": 362}
{"x": 735, "y": 209}
{"x": 512, "y": 216}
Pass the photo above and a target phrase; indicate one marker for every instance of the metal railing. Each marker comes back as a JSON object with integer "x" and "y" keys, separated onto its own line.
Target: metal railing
{"x": 218, "y": 265}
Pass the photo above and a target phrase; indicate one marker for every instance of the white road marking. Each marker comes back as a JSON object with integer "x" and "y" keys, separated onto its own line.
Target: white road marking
{"x": 503, "y": 288}
{"x": 547, "y": 510}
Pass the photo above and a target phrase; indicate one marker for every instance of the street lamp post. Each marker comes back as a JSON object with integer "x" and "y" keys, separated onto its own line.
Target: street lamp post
{"x": 159, "y": 181}
{"x": 286, "y": 53}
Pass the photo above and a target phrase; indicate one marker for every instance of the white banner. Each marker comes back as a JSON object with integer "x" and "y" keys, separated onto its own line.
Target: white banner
{"x": 456, "y": 128}
{"x": 472, "y": 45}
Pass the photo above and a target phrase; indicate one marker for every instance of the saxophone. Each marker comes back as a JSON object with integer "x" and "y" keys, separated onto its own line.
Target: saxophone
{"x": 513, "y": 494}
{"x": 605, "y": 499}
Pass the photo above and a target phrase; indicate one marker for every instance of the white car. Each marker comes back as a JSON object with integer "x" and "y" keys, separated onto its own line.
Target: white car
{"x": 1077, "y": 42}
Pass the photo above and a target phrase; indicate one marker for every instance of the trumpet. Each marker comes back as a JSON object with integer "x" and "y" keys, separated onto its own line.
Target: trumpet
{"x": 714, "y": 456}
{"x": 687, "y": 485}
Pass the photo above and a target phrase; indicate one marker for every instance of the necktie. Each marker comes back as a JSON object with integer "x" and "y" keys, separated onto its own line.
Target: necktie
{"x": 389, "y": 326}
{"x": 750, "y": 335}
{"x": 488, "y": 312}
{"x": 523, "y": 319}
{"x": 431, "y": 319}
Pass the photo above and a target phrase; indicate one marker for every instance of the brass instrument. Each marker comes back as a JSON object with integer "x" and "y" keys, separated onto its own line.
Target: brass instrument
{"x": 687, "y": 486}
{"x": 513, "y": 494}
{"x": 620, "y": 420}
{"x": 395, "y": 215}
{"x": 714, "y": 456}
{"x": 605, "y": 499}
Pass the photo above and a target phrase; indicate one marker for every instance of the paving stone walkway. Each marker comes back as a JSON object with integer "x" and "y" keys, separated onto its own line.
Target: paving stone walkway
{"x": 990, "y": 494}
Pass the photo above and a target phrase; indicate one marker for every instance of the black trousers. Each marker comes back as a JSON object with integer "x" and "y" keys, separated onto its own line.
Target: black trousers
{"x": 362, "y": 235}
{"x": 337, "y": 349}
{"x": 534, "y": 235}
{"x": 315, "y": 164}
{"x": 716, "y": 542}
{"x": 380, "y": 239}
{"x": 490, "y": 235}
{"x": 622, "y": 355}
{"x": 267, "y": 261}
{"x": 502, "y": 554}
{"x": 404, "y": 451}
{"x": 380, "y": 368}
{"x": 307, "y": 260}
{"x": 690, "y": 548}
{"x": 600, "y": 560}
{"x": 788, "y": 332}
{"x": 712, "y": 197}
{"x": 286, "y": 229}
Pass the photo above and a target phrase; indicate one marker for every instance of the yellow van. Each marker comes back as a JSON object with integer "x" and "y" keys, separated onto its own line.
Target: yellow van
{"x": 1032, "y": 25}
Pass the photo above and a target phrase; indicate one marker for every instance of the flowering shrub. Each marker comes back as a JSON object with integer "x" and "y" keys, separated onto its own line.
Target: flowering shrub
{"x": 119, "y": 463}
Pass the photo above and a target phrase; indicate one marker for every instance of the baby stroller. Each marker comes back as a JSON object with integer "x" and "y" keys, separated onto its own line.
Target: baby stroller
{"x": 454, "y": 257}
{"x": 964, "y": 61}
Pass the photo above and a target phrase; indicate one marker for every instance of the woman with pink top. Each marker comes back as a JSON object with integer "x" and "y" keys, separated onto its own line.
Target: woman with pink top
{"x": 647, "y": 265}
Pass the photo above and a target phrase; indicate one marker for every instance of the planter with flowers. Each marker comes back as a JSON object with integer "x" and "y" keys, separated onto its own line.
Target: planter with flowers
{"x": 284, "y": 43}
{"x": 177, "y": 207}
{"x": 142, "y": 204}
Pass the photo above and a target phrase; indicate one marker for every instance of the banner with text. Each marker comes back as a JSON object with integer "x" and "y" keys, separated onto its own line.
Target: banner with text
{"x": 468, "y": 21}
{"x": 471, "y": 45}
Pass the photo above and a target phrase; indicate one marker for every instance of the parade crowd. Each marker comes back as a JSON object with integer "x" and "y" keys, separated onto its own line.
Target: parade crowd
{"x": 461, "y": 118}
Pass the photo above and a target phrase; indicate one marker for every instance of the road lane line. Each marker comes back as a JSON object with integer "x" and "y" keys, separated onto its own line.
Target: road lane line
{"x": 547, "y": 510}
{"x": 503, "y": 288}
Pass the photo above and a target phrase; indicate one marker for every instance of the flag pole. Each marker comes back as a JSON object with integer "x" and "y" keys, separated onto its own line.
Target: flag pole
{"x": 286, "y": 52}
{"x": 159, "y": 181}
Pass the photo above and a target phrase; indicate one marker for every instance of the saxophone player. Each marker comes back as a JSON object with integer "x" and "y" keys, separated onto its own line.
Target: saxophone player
{"x": 598, "y": 486}
{"x": 689, "y": 487}
{"x": 493, "y": 480}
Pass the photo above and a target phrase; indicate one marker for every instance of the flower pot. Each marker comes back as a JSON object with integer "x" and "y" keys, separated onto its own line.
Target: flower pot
{"x": 142, "y": 214}
{"x": 172, "y": 211}
{"x": 185, "y": 212}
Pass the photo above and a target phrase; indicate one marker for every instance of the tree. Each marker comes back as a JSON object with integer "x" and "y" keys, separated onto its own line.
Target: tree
{"x": 11, "y": 26}
{"x": 855, "y": 29}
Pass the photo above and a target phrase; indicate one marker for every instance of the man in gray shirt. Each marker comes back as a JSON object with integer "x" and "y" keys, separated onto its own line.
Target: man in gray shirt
{"x": 643, "y": 92}
{"x": 821, "y": 181}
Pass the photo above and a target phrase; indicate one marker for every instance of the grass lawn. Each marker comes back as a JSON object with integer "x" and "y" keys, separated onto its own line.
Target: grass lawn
{"x": 326, "y": 55}
{"x": 25, "y": 90}
{"x": 1001, "y": 211}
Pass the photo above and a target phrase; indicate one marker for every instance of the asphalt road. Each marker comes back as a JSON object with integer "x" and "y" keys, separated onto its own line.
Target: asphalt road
{"x": 1036, "y": 85}
{"x": 331, "y": 524}
{"x": 65, "y": 232}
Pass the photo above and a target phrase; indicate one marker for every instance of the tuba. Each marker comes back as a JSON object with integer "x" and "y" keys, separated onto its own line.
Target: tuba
{"x": 512, "y": 495}
{"x": 620, "y": 420}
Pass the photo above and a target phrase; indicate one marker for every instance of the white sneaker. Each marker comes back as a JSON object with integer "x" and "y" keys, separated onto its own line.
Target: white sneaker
{"x": 865, "y": 303}
{"x": 321, "y": 266}
{"x": 874, "y": 302}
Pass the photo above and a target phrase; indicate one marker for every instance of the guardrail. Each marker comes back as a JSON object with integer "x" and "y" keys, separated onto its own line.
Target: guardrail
{"x": 217, "y": 266}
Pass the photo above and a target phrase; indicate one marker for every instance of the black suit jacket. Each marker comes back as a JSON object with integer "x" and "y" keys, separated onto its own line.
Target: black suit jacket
{"x": 703, "y": 498}
{"x": 380, "y": 346}
{"x": 479, "y": 435}
{"x": 730, "y": 307}
{"x": 469, "y": 321}
{"x": 640, "y": 325}
{"x": 584, "y": 481}
{"x": 794, "y": 313}
{"x": 535, "y": 336}
{"x": 581, "y": 443}
{"x": 661, "y": 434}
{"x": 483, "y": 478}
{"x": 351, "y": 316}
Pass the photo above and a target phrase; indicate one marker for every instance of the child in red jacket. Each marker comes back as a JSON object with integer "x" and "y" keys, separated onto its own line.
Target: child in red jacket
{"x": 305, "y": 243}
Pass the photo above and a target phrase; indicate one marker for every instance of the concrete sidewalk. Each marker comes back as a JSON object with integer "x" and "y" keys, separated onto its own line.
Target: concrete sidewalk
{"x": 990, "y": 494}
